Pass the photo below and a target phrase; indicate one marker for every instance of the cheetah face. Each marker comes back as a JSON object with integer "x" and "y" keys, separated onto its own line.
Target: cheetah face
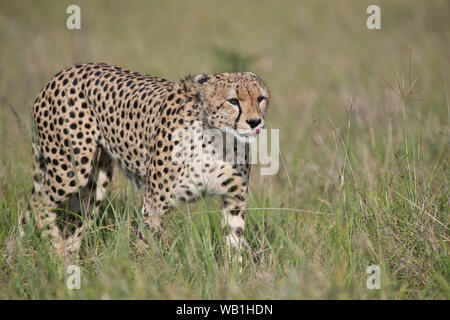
{"x": 234, "y": 102}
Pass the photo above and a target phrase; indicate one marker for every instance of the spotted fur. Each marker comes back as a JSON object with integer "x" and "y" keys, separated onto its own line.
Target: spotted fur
{"x": 89, "y": 116}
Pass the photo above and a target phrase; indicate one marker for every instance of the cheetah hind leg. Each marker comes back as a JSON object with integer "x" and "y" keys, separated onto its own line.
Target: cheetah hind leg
{"x": 63, "y": 228}
{"x": 25, "y": 217}
{"x": 87, "y": 202}
{"x": 64, "y": 239}
{"x": 42, "y": 205}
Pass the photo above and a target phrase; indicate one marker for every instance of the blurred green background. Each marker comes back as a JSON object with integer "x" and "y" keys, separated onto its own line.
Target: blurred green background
{"x": 364, "y": 132}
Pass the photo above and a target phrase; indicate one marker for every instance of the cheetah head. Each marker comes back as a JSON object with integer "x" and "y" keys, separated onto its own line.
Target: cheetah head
{"x": 233, "y": 102}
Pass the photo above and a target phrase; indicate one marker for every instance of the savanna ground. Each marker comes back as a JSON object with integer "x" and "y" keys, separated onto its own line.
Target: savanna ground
{"x": 364, "y": 140}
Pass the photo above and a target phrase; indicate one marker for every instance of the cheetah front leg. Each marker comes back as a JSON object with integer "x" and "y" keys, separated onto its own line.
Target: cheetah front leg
{"x": 152, "y": 209}
{"x": 233, "y": 218}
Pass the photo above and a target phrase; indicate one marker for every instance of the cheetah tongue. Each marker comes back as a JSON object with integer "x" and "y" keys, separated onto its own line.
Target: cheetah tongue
{"x": 256, "y": 131}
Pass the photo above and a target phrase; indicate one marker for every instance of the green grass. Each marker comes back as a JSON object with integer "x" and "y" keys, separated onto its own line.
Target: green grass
{"x": 364, "y": 138}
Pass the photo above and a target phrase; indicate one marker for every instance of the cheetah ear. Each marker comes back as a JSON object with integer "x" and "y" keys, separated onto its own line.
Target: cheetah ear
{"x": 201, "y": 78}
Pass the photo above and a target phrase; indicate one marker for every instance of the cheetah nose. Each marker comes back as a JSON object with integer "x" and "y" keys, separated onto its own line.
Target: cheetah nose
{"x": 253, "y": 122}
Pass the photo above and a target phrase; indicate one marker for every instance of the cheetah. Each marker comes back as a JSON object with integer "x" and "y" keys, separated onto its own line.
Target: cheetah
{"x": 91, "y": 116}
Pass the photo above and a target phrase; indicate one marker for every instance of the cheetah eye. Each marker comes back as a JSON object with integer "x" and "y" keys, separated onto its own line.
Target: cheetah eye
{"x": 234, "y": 101}
{"x": 261, "y": 99}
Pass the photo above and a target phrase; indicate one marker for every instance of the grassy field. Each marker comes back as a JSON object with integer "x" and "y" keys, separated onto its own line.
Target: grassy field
{"x": 364, "y": 147}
